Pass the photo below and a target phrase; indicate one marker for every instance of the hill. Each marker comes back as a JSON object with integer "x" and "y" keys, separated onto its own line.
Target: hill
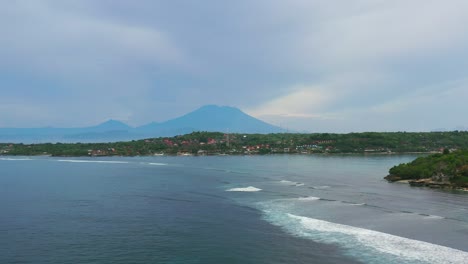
{"x": 438, "y": 171}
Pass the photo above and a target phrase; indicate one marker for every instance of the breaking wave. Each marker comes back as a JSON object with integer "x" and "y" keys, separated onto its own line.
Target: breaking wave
{"x": 287, "y": 182}
{"x": 320, "y": 187}
{"x": 401, "y": 247}
{"x": 292, "y": 183}
{"x": 366, "y": 245}
{"x": 157, "y": 164}
{"x": 15, "y": 159}
{"x": 352, "y": 203}
{"x": 309, "y": 198}
{"x": 95, "y": 161}
{"x": 244, "y": 189}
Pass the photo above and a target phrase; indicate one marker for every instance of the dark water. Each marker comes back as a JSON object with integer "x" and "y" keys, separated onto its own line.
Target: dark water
{"x": 310, "y": 209}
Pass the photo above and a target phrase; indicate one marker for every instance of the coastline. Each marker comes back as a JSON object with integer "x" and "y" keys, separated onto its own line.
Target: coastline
{"x": 218, "y": 143}
{"x": 429, "y": 183}
{"x": 227, "y": 154}
{"x": 447, "y": 170}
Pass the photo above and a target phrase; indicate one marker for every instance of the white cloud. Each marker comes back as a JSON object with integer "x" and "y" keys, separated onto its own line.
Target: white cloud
{"x": 343, "y": 35}
{"x": 441, "y": 98}
{"x": 314, "y": 109}
{"x": 301, "y": 101}
{"x": 370, "y": 59}
{"x": 355, "y": 60}
{"x": 74, "y": 63}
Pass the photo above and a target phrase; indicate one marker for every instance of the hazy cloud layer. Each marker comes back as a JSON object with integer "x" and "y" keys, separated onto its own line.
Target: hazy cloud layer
{"x": 307, "y": 65}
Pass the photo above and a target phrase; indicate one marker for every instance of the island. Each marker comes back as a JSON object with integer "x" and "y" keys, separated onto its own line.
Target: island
{"x": 447, "y": 170}
{"x": 216, "y": 143}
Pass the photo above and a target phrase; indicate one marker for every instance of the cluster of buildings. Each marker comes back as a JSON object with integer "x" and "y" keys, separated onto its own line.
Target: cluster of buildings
{"x": 6, "y": 149}
{"x": 101, "y": 152}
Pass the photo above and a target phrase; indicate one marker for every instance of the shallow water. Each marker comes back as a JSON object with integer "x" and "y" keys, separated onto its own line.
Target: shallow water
{"x": 230, "y": 209}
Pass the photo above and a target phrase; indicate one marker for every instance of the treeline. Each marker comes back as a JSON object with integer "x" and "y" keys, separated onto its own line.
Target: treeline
{"x": 214, "y": 142}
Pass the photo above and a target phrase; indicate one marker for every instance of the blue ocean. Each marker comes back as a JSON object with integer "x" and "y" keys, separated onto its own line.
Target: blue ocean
{"x": 224, "y": 209}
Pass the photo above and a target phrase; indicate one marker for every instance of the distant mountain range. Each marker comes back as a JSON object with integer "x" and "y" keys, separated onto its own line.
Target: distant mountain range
{"x": 206, "y": 118}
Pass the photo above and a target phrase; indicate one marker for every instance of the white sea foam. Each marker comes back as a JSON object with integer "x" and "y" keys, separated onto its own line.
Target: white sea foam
{"x": 321, "y": 187}
{"x": 287, "y": 182}
{"x": 353, "y": 204}
{"x": 434, "y": 217}
{"x": 409, "y": 249}
{"x": 15, "y": 159}
{"x": 95, "y": 161}
{"x": 309, "y": 198}
{"x": 157, "y": 164}
{"x": 292, "y": 183}
{"x": 244, "y": 189}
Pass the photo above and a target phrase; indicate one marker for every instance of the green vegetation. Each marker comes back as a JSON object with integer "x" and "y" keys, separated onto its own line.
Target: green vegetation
{"x": 211, "y": 143}
{"x": 446, "y": 167}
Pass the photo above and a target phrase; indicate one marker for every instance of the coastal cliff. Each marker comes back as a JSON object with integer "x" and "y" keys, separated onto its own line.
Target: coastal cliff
{"x": 446, "y": 171}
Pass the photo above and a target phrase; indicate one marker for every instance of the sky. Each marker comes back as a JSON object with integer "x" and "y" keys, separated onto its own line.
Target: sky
{"x": 305, "y": 65}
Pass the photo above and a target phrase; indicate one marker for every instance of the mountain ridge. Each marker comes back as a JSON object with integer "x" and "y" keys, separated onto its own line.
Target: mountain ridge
{"x": 221, "y": 119}
{"x": 211, "y": 118}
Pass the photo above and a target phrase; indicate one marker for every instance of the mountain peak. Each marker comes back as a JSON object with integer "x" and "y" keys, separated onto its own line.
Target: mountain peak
{"x": 217, "y": 108}
{"x": 206, "y": 118}
{"x": 220, "y": 118}
{"x": 112, "y": 124}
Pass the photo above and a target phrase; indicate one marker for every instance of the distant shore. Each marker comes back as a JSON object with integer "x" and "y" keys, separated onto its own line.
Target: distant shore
{"x": 224, "y": 154}
{"x": 217, "y": 143}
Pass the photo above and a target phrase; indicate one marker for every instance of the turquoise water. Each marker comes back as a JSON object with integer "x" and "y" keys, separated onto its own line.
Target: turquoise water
{"x": 231, "y": 209}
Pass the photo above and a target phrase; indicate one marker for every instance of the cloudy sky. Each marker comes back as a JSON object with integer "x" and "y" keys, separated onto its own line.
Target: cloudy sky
{"x": 329, "y": 65}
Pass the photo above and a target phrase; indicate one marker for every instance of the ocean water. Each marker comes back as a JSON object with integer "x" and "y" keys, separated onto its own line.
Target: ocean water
{"x": 229, "y": 209}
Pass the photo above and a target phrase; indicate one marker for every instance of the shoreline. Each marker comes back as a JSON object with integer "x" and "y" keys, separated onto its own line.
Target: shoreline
{"x": 429, "y": 183}
{"x": 216, "y": 143}
{"x": 448, "y": 171}
{"x": 228, "y": 154}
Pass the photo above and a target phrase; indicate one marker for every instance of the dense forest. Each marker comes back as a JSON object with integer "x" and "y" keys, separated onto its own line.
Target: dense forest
{"x": 441, "y": 167}
{"x": 212, "y": 143}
